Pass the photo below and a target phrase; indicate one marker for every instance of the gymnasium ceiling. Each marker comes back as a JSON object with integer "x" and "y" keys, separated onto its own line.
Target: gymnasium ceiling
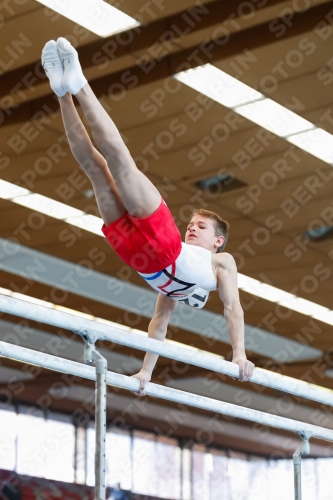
{"x": 280, "y": 48}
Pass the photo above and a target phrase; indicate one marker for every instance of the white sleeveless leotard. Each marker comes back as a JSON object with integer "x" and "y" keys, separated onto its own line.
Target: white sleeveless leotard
{"x": 188, "y": 279}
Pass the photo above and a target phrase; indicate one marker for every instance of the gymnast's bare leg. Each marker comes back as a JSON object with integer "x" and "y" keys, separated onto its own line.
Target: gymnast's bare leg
{"x": 139, "y": 196}
{"x": 92, "y": 162}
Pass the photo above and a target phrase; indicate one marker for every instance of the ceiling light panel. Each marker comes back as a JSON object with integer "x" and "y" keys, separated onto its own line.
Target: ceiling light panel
{"x": 90, "y": 223}
{"x": 262, "y": 290}
{"x": 97, "y": 16}
{"x": 274, "y": 117}
{"x": 50, "y": 207}
{"x": 285, "y": 299}
{"x": 317, "y": 142}
{"x": 219, "y": 86}
{"x": 47, "y": 206}
{"x": 265, "y": 112}
{"x": 9, "y": 190}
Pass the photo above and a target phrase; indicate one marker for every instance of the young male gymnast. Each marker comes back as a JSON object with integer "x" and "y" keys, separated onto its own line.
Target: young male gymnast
{"x": 137, "y": 222}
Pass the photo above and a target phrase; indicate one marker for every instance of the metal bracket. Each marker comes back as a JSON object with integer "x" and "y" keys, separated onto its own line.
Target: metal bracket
{"x": 304, "y": 449}
{"x": 86, "y": 336}
{"x": 91, "y": 355}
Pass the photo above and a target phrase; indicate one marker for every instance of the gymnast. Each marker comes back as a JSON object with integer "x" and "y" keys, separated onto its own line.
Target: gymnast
{"x": 137, "y": 222}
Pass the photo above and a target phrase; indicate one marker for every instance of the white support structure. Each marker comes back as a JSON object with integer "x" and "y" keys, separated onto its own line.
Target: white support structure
{"x": 91, "y": 331}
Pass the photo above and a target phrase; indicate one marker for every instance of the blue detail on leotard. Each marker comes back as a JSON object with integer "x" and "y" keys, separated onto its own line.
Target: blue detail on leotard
{"x": 152, "y": 277}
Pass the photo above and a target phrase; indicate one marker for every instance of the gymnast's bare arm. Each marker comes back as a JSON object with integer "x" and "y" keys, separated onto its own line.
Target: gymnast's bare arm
{"x": 157, "y": 329}
{"x": 226, "y": 272}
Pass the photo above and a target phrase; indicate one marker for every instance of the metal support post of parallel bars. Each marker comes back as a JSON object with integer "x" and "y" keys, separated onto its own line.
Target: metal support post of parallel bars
{"x": 304, "y": 449}
{"x": 92, "y": 356}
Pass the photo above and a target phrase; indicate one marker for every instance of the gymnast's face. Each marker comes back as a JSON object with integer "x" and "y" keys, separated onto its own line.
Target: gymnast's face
{"x": 201, "y": 232}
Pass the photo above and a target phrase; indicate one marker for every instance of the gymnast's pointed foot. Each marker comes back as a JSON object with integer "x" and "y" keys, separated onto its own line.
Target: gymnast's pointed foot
{"x": 73, "y": 78}
{"x": 53, "y": 67}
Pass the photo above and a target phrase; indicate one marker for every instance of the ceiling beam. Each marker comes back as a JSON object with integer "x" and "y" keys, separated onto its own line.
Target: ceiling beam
{"x": 207, "y": 52}
{"x": 166, "y": 33}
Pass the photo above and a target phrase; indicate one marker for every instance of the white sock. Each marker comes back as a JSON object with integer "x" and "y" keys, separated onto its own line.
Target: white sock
{"x": 53, "y": 67}
{"x": 73, "y": 79}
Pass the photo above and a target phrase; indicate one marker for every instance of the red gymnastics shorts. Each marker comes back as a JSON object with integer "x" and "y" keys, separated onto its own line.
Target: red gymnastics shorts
{"x": 147, "y": 244}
